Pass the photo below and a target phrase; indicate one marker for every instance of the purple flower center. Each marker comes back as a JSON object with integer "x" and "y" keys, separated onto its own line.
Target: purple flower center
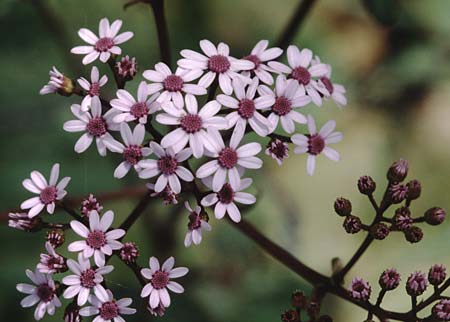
{"x": 282, "y": 106}
{"x": 96, "y": 239}
{"x": 279, "y": 149}
{"x": 227, "y": 158}
{"x": 191, "y": 123}
{"x": 218, "y": 64}
{"x": 316, "y": 144}
{"x": 87, "y": 278}
{"x": 254, "y": 59}
{"x": 226, "y": 194}
{"x": 328, "y": 84}
{"x": 246, "y": 108}
{"x": 109, "y": 310}
{"x": 132, "y": 154}
{"x": 167, "y": 165}
{"x": 104, "y": 44}
{"x": 173, "y": 83}
{"x": 302, "y": 75}
{"x": 94, "y": 90}
{"x": 48, "y": 195}
{"x": 139, "y": 110}
{"x": 45, "y": 292}
{"x": 194, "y": 221}
{"x": 97, "y": 126}
{"x": 160, "y": 280}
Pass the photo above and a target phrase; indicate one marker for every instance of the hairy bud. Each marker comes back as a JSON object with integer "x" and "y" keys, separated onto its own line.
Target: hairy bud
{"x": 414, "y": 190}
{"x": 352, "y": 224}
{"x": 343, "y": 207}
{"x": 435, "y": 216}
{"x": 398, "y": 171}
{"x": 379, "y": 231}
{"x": 414, "y": 234}
{"x": 366, "y": 185}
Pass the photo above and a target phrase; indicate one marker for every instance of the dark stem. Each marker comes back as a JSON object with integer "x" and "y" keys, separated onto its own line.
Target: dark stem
{"x": 70, "y": 211}
{"x": 137, "y": 211}
{"x": 291, "y": 28}
{"x": 161, "y": 27}
{"x": 212, "y": 90}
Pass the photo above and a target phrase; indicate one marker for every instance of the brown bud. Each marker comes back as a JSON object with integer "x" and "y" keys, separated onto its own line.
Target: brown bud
{"x": 343, "y": 207}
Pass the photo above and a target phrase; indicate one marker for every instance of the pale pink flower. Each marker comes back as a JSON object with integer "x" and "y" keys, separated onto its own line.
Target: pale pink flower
{"x": 160, "y": 279}
{"x": 131, "y": 109}
{"x": 317, "y": 142}
{"x": 191, "y": 125}
{"x": 301, "y": 69}
{"x": 132, "y": 150}
{"x": 127, "y": 67}
{"x": 260, "y": 56}
{"x": 51, "y": 262}
{"x": 288, "y": 96}
{"x": 230, "y": 160}
{"x": 103, "y": 46}
{"x": 49, "y": 192}
{"x": 173, "y": 85}
{"x": 92, "y": 88}
{"x": 98, "y": 241}
{"x": 42, "y": 293}
{"x": 56, "y": 83}
{"x": 246, "y": 107}
{"x": 195, "y": 227}
{"x": 84, "y": 279}
{"x": 93, "y": 124}
{"x": 167, "y": 166}
{"x": 225, "y": 199}
{"x": 106, "y": 307}
{"x": 217, "y": 62}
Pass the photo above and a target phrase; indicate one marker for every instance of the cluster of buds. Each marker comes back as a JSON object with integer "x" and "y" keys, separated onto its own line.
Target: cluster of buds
{"x": 302, "y": 304}
{"x": 396, "y": 193}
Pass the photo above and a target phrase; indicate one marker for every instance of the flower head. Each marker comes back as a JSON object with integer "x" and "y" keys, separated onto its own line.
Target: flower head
{"x": 129, "y": 253}
{"x": 195, "y": 226}
{"x": 105, "y": 44}
{"x": 441, "y": 310}
{"x": 98, "y": 239}
{"x": 316, "y": 143}
{"x": 94, "y": 125}
{"x": 55, "y": 237}
{"x": 127, "y": 67}
{"x": 416, "y": 284}
{"x": 169, "y": 197}
{"x": 43, "y": 293}
{"x": 51, "y": 262}
{"x": 58, "y": 83}
{"x": 389, "y": 279}
{"x": 48, "y": 192}
{"x": 278, "y": 150}
{"x": 92, "y": 88}
{"x": 160, "y": 279}
{"x": 89, "y": 204}
{"x": 22, "y": 221}
{"x": 360, "y": 289}
{"x": 437, "y": 274}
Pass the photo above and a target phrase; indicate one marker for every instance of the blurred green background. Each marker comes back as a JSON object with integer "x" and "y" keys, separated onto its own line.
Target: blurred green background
{"x": 398, "y": 79}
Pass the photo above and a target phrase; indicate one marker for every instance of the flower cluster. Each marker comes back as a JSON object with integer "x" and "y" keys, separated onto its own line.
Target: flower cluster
{"x": 309, "y": 306}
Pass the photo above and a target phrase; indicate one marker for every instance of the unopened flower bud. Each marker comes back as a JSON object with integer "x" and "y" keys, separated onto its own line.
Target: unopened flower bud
{"x": 352, "y": 224}
{"x": 127, "y": 67}
{"x": 278, "y": 150}
{"x": 158, "y": 311}
{"x": 437, "y": 274}
{"x": 58, "y": 83}
{"x": 290, "y": 316}
{"x": 72, "y": 313}
{"x": 379, "y": 231}
{"x": 435, "y": 216}
{"x": 397, "y": 193}
{"x": 414, "y": 234}
{"x": 299, "y": 300}
{"x": 313, "y": 310}
{"x": 21, "y": 221}
{"x": 389, "y": 279}
{"x": 414, "y": 190}
{"x": 366, "y": 185}
{"x": 360, "y": 289}
{"x": 416, "y": 284}
{"x": 343, "y": 207}
{"x": 402, "y": 218}
{"x": 441, "y": 310}
{"x": 55, "y": 237}
{"x": 398, "y": 171}
{"x": 129, "y": 253}
{"x": 89, "y": 204}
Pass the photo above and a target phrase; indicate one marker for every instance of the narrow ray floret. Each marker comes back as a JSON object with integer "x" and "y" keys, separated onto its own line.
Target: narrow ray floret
{"x": 51, "y": 262}
{"x": 196, "y": 225}
{"x": 218, "y": 63}
{"x": 316, "y": 143}
{"x": 98, "y": 239}
{"x": 161, "y": 280}
{"x": 48, "y": 192}
{"x": 173, "y": 86}
{"x": 42, "y": 293}
{"x": 58, "y": 83}
{"x": 102, "y": 46}
{"x": 92, "y": 87}
{"x": 132, "y": 150}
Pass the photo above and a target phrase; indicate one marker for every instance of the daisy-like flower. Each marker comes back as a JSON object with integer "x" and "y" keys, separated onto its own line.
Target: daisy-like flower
{"x": 301, "y": 69}
{"x": 98, "y": 241}
{"x": 196, "y": 225}
{"x": 107, "y": 308}
{"x": 336, "y": 91}
{"x": 51, "y": 262}
{"x": 92, "y": 88}
{"x": 84, "y": 279}
{"x": 260, "y": 56}
{"x": 168, "y": 166}
{"x": 316, "y": 143}
{"x": 103, "y": 46}
{"x": 225, "y": 199}
{"x": 94, "y": 124}
{"x": 160, "y": 279}
{"x": 288, "y": 95}
{"x": 58, "y": 83}
{"x": 229, "y": 160}
{"x": 43, "y": 293}
{"x": 130, "y": 109}
{"x": 246, "y": 107}
{"x": 173, "y": 85}
{"x": 132, "y": 150}
{"x": 49, "y": 192}
{"x": 192, "y": 125}
{"x": 217, "y": 62}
